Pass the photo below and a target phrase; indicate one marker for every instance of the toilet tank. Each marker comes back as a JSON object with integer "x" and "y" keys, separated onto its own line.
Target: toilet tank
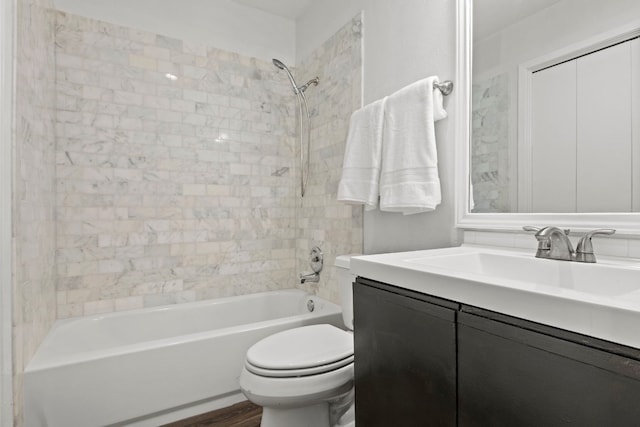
{"x": 345, "y": 284}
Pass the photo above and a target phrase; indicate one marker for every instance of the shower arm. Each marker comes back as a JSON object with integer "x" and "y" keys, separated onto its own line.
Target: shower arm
{"x": 313, "y": 81}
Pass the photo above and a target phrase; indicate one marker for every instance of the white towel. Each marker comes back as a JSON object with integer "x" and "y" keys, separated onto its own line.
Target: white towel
{"x": 409, "y": 180}
{"x": 361, "y": 166}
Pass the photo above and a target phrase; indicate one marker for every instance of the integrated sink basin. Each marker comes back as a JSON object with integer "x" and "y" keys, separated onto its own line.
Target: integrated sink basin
{"x": 601, "y": 300}
{"x": 600, "y": 279}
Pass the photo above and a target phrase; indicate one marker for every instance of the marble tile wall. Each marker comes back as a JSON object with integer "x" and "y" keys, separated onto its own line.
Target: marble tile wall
{"x": 335, "y": 227}
{"x": 34, "y": 297}
{"x": 169, "y": 189}
{"x": 490, "y": 144}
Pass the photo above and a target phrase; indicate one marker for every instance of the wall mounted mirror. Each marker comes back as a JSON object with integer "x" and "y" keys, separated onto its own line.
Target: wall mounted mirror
{"x": 552, "y": 129}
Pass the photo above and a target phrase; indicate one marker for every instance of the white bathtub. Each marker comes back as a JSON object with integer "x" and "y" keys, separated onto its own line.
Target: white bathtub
{"x": 156, "y": 365}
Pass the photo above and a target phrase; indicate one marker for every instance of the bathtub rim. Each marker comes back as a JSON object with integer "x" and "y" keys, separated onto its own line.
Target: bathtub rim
{"x": 43, "y": 362}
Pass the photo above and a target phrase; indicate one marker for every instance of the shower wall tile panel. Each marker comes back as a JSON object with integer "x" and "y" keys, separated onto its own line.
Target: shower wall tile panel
{"x": 490, "y": 144}
{"x": 335, "y": 227}
{"x": 170, "y": 189}
{"x": 34, "y": 293}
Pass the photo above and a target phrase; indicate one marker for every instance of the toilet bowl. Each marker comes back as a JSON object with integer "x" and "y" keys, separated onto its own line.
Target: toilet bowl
{"x": 304, "y": 376}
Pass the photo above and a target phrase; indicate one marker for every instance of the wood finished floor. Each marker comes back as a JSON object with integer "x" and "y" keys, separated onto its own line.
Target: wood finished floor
{"x": 243, "y": 414}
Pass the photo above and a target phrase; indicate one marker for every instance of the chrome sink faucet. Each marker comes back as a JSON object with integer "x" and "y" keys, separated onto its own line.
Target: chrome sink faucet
{"x": 554, "y": 243}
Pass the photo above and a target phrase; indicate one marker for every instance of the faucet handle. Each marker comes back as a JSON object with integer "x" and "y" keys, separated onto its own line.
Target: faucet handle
{"x": 584, "y": 250}
{"x": 544, "y": 245}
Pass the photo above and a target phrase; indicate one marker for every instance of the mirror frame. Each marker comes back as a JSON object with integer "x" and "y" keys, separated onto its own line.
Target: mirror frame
{"x": 626, "y": 224}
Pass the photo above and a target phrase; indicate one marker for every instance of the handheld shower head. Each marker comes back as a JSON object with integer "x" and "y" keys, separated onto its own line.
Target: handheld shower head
{"x": 303, "y": 107}
{"x": 281, "y": 65}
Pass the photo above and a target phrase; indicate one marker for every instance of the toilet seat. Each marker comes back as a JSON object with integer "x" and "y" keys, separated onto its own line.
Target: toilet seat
{"x": 304, "y": 351}
{"x": 288, "y": 373}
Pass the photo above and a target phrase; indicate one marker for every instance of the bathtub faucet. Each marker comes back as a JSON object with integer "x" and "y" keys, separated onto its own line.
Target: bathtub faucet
{"x": 311, "y": 277}
{"x": 316, "y": 260}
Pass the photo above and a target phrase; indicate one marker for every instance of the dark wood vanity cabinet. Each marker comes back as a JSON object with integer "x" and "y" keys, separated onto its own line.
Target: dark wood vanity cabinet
{"x": 405, "y": 357}
{"x": 423, "y": 361}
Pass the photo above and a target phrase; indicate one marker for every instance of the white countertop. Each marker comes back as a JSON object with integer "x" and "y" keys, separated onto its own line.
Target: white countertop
{"x": 612, "y": 316}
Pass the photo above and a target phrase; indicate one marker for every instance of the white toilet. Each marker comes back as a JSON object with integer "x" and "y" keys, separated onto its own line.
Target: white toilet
{"x": 303, "y": 377}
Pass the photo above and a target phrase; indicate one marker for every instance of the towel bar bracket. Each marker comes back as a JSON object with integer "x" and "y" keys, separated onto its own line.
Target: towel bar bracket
{"x": 446, "y": 87}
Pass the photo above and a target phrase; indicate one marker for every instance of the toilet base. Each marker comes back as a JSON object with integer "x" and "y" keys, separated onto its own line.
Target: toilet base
{"x": 338, "y": 412}
{"x": 309, "y": 416}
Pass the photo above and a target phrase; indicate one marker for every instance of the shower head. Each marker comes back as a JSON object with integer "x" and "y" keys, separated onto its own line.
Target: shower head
{"x": 281, "y": 65}
{"x": 303, "y": 106}
{"x": 296, "y": 89}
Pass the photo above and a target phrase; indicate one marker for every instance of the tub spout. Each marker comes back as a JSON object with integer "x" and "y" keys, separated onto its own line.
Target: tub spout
{"x": 311, "y": 277}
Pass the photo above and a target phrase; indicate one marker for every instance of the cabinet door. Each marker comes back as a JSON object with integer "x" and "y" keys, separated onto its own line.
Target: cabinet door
{"x": 405, "y": 353}
{"x": 509, "y": 376}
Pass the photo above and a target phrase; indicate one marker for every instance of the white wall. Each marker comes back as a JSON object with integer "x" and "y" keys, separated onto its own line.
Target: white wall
{"x": 404, "y": 41}
{"x": 221, "y": 23}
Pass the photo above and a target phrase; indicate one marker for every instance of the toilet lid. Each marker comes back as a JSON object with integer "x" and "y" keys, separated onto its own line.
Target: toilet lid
{"x": 300, "y": 349}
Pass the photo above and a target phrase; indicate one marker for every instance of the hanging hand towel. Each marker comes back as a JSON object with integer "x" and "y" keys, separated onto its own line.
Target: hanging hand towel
{"x": 361, "y": 166}
{"x": 409, "y": 180}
